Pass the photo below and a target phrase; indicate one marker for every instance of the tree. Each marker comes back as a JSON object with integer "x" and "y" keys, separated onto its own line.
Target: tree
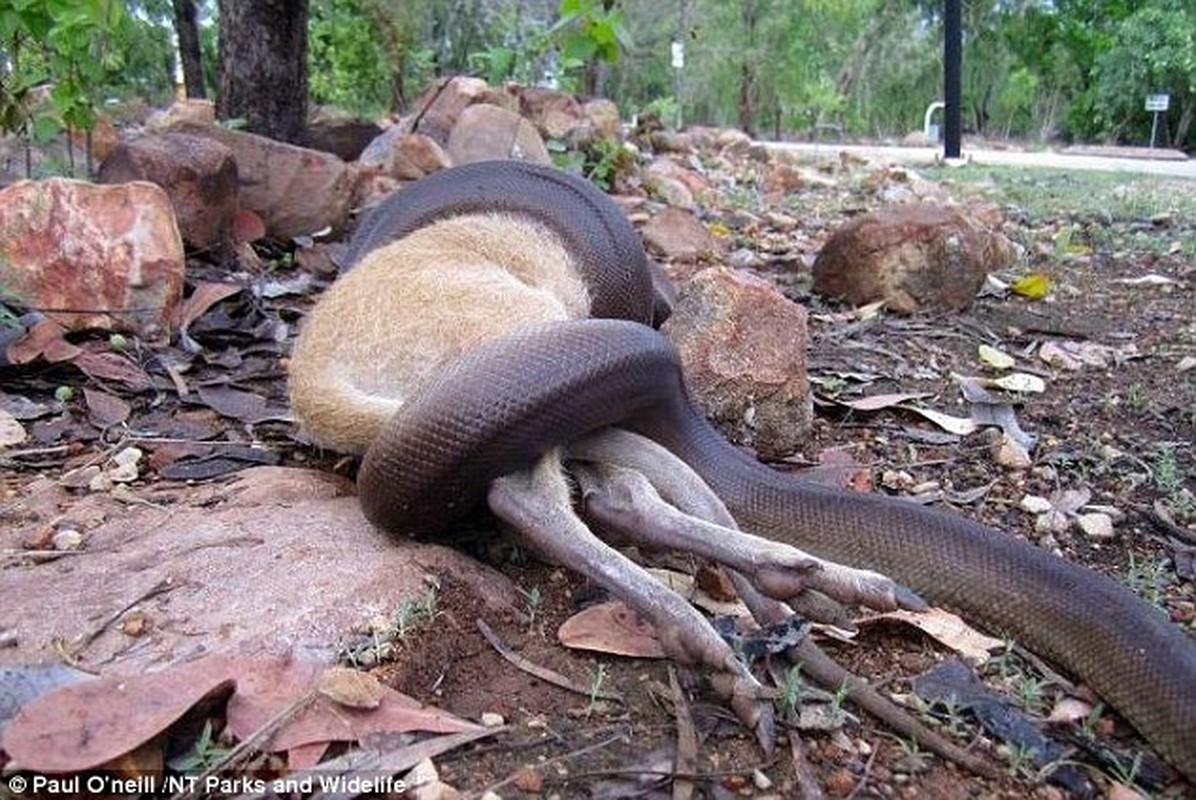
{"x": 263, "y": 66}
{"x": 186, "y": 26}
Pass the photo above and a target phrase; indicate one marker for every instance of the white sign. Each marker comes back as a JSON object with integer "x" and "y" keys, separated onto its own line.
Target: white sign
{"x": 678, "y": 55}
{"x": 1158, "y": 102}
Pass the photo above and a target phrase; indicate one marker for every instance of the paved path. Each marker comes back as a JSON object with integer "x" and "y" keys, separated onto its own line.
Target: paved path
{"x": 930, "y": 155}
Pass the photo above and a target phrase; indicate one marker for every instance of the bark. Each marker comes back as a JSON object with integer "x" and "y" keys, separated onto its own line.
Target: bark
{"x": 263, "y": 66}
{"x": 747, "y": 73}
{"x": 186, "y": 27}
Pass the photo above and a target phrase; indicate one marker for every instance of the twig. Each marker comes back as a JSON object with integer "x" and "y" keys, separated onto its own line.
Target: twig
{"x": 808, "y": 787}
{"x": 687, "y": 741}
{"x": 494, "y": 787}
{"x": 543, "y": 673}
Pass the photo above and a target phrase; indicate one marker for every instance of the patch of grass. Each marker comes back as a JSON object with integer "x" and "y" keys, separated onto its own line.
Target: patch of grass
{"x": 1148, "y": 579}
{"x": 385, "y": 637}
{"x": 534, "y": 599}
{"x": 598, "y": 677}
{"x": 1172, "y": 481}
{"x": 789, "y": 693}
{"x": 1110, "y": 196}
{"x": 201, "y": 755}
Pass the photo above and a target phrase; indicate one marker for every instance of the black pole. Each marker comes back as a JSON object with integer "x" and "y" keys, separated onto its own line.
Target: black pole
{"x": 952, "y": 72}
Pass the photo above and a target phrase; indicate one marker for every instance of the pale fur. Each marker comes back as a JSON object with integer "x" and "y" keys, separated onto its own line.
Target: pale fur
{"x": 410, "y": 306}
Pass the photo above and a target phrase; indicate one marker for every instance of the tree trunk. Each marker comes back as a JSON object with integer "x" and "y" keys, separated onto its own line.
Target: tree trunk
{"x": 747, "y": 72}
{"x": 263, "y": 66}
{"x": 187, "y": 29}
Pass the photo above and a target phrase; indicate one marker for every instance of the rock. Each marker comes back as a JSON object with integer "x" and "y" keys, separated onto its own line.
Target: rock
{"x": 343, "y": 138}
{"x": 403, "y": 156}
{"x": 914, "y": 257}
{"x": 199, "y": 175}
{"x": 678, "y": 235}
{"x": 182, "y": 113}
{"x": 295, "y": 190}
{"x": 277, "y": 560}
{"x": 602, "y": 116}
{"x": 666, "y": 141}
{"x": 743, "y": 347}
{"x": 486, "y": 132}
{"x": 442, "y": 104}
{"x": 110, "y": 254}
{"x": 555, "y": 114}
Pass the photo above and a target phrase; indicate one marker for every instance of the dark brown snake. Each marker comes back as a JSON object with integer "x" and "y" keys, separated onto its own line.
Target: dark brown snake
{"x": 502, "y": 405}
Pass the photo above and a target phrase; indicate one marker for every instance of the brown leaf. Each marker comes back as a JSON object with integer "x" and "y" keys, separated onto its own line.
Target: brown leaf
{"x": 247, "y": 226}
{"x": 351, "y": 687}
{"x": 105, "y": 410}
{"x": 83, "y": 725}
{"x": 610, "y": 628}
{"x": 267, "y": 687}
{"x": 43, "y": 340}
{"x": 112, "y": 367}
{"x": 204, "y": 297}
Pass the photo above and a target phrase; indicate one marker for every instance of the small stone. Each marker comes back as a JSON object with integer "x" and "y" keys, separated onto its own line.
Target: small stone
{"x": 492, "y": 720}
{"x": 1034, "y": 504}
{"x": 761, "y": 780}
{"x": 68, "y": 539}
{"x": 1009, "y": 454}
{"x": 529, "y": 780}
{"x": 80, "y": 477}
{"x": 840, "y": 783}
{"x": 1096, "y": 525}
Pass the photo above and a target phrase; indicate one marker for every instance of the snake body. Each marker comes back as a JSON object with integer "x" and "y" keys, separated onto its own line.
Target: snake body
{"x": 496, "y": 408}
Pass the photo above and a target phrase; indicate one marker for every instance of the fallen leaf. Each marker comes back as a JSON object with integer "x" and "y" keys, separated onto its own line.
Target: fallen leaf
{"x": 1070, "y": 709}
{"x": 351, "y": 687}
{"x": 83, "y": 725}
{"x": 948, "y": 628}
{"x": 1021, "y": 382}
{"x": 204, "y": 296}
{"x": 610, "y": 627}
{"x": 247, "y": 226}
{"x": 1034, "y": 286}
{"x": 1153, "y": 279}
{"x": 105, "y": 410}
{"x": 995, "y": 358}
{"x": 877, "y": 402}
{"x": 11, "y": 431}
{"x": 960, "y": 426}
{"x": 266, "y": 687}
{"x": 43, "y": 340}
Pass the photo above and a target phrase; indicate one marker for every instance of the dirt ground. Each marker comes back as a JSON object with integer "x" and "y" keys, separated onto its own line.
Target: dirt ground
{"x": 1123, "y": 277}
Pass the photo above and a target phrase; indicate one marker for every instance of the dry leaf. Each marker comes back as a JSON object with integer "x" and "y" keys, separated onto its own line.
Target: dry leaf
{"x": 1034, "y": 286}
{"x": 947, "y": 628}
{"x": 104, "y": 409}
{"x": 266, "y": 687}
{"x": 351, "y": 687}
{"x": 11, "y": 431}
{"x": 83, "y": 725}
{"x": 995, "y": 358}
{"x": 878, "y": 401}
{"x": 610, "y": 628}
{"x": 1021, "y": 382}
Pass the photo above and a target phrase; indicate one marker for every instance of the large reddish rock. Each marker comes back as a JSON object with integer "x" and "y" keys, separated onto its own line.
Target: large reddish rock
{"x": 743, "y": 347}
{"x": 485, "y": 132}
{"x": 402, "y": 156}
{"x": 441, "y": 105}
{"x": 556, "y": 114}
{"x": 295, "y": 190}
{"x": 679, "y": 236}
{"x": 198, "y": 173}
{"x": 913, "y": 257}
{"x": 92, "y": 256}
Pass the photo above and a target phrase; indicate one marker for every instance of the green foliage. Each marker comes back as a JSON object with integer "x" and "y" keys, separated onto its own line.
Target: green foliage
{"x": 587, "y": 31}
{"x": 66, "y": 45}
{"x": 1153, "y": 50}
{"x": 348, "y": 67}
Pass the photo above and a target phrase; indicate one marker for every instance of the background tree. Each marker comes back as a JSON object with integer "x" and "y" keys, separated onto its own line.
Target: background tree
{"x": 263, "y": 66}
{"x": 186, "y": 26}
